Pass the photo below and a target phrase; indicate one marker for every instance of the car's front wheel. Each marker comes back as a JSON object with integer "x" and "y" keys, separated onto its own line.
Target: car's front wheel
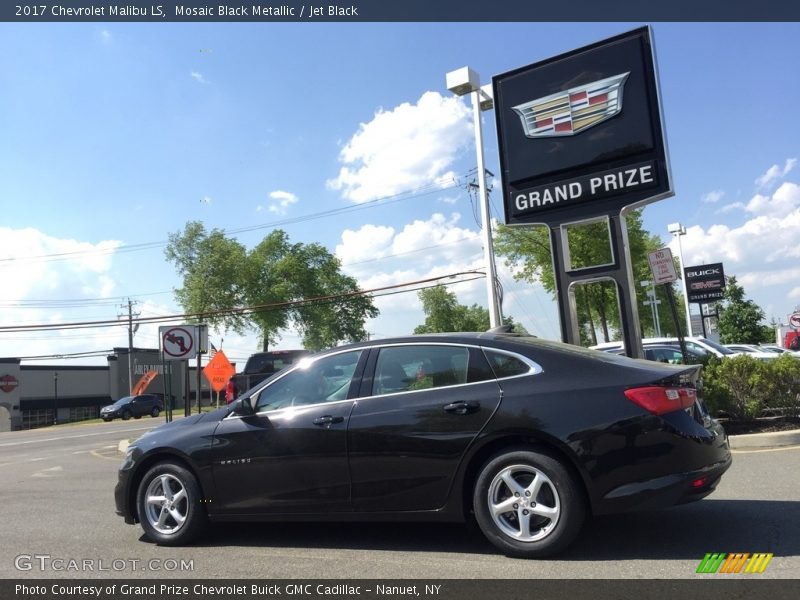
{"x": 528, "y": 504}
{"x": 170, "y": 506}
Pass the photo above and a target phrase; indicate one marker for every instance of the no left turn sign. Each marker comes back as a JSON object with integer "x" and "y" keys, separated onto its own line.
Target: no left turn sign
{"x": 794, "y": 320}
{"x": 177, "y": 342}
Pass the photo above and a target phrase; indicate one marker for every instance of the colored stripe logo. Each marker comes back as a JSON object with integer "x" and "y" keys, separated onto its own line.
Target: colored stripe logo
{"x": 737, "y": 562}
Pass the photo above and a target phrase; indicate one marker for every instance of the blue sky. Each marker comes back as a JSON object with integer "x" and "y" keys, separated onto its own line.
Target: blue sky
{"x": 115, "y": 135}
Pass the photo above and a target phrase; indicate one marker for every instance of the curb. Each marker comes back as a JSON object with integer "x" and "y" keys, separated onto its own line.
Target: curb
{"x": 775, "y": 439}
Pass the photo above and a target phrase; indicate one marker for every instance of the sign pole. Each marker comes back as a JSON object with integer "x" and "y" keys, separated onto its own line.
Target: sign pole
{"x": 674, "y": 310}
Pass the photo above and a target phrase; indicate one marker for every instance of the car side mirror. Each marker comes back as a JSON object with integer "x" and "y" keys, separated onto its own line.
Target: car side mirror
{"x": 245, "y": 406}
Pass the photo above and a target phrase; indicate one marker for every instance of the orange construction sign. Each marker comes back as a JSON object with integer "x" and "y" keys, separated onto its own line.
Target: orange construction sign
{"x": 142, "y": 384}
{"x": 218, "y": 371}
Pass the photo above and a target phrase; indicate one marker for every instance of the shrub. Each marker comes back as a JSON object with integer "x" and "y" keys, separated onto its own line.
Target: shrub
{"x": 743, "y": 387}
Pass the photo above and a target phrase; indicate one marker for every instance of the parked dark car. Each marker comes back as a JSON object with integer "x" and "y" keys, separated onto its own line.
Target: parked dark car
{"x": 529, "y": 436}
{"x": 133, "y": 406}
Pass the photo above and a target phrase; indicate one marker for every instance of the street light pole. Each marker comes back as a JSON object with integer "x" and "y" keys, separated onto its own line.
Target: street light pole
{"x": 461, "y": 82}
{"x": 679, "y": 230}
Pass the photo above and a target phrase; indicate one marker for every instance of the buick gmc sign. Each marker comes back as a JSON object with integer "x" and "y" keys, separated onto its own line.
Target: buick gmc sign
{"x": 705, "y": 283}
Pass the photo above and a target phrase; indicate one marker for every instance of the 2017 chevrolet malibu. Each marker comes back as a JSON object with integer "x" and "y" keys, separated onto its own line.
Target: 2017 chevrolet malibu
{"x": 528, "y": 436}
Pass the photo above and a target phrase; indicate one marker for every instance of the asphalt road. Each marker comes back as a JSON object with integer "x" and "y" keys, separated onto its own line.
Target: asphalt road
{"x": 57, "y": 513}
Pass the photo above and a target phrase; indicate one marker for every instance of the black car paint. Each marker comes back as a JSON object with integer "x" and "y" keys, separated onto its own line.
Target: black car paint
{"x": 412, "y": 460}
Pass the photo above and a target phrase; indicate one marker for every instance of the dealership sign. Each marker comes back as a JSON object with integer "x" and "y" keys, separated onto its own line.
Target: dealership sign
{"x": 580, "y": 134}
{"x": 705, "y": 283}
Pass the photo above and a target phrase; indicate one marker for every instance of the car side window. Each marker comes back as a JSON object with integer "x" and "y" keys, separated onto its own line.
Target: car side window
{"x": 314, "y": 382}
{"x": 417, "y": 367}
{"x": 505, "y": 365}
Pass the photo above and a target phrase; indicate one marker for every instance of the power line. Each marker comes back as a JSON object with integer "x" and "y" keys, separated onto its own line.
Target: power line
{"x": 236, "y": 310}
{"x": 431, "y": 188}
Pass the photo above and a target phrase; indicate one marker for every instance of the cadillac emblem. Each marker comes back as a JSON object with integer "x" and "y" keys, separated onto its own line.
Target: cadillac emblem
{"x": 574, "y": 110}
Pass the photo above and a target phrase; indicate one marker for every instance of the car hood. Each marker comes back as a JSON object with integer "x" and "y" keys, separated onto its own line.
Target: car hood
{"x": 213, "y": 416}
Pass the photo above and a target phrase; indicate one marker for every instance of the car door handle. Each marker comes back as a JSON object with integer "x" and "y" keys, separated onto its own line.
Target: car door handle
{"x": 462, "y": 408}
{"x": 328, "y": 420}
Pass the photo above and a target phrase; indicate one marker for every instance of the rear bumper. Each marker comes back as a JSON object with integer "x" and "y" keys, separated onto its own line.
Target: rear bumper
{"x": 688, "y": 468}
{"x": 665, "y": 491}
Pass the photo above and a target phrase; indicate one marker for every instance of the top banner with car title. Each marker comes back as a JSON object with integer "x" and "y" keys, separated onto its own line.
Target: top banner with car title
{"x": 580, "y": 134}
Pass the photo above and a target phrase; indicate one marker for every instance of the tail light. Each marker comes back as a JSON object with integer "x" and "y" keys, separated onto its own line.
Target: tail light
{"x": 660, "y": 400}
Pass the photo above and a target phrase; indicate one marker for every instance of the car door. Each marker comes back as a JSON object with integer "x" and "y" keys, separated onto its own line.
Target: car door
{"x": 291, "y": 455}
{"x": 420, "y": 407}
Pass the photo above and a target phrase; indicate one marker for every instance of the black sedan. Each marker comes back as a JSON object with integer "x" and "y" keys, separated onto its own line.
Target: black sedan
{"x": 528, "y": 436}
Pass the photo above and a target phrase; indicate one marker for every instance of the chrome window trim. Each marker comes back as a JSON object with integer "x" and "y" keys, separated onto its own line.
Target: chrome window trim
{"x": 535, "y": 369}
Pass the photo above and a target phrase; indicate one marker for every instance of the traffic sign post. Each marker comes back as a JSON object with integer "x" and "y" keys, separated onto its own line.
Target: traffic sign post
{"x": 662, "y": 266}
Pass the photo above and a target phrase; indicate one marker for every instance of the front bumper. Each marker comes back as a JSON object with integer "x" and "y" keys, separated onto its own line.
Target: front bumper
{"x": 123, "y": 496}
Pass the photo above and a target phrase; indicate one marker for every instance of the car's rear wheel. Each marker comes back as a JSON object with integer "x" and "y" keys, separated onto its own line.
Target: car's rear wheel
{"x": 528, "y": 504}
{"x": 126, "y": 415}
{"x": 155, "y": 412}
{"x": 170, "y": 505}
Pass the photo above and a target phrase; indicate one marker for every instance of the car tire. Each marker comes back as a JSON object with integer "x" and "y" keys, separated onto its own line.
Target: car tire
{"x": 528, "y": 504}
{"x": 126, "y": 415}
{"x": 155, "y": 412}
{"x": 170, "y": 505}
{"x": 107, "y": 419}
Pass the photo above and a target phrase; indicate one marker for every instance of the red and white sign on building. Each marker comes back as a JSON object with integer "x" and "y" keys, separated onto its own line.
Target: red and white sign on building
{"x": 662, "y": 266}
{"x": 8, "y": 383}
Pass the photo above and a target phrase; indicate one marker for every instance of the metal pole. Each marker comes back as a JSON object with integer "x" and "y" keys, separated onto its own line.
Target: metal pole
{"x": 130, "y": 346}
{"x": 495, "y": 316}
{"x": 683, "y": 280}
{"x": 55, "y": 398}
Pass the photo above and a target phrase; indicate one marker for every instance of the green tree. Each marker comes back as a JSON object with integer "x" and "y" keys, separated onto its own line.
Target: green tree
{"x": 527, "y": 250}
{"x": 740, "y": 320}
{"x": 443, "y": 313}
{"x": 220, "y": 274}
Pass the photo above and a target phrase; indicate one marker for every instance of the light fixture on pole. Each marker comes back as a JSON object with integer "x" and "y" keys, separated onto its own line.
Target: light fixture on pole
{"x": 461, "y": 82}
{"x": 679, "y": 230}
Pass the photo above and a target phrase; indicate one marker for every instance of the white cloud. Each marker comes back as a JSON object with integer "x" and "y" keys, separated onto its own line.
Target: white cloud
{"x": 762, "y": 252}
{"x": 403, "y": 149}
{"x": 713, "y": 196}
{"x": 105, "y": 36}
{"x": 775, "y": 172}
{"x": 379, "y": 256}
{"x": 198, "y": 77}
{"x": 82, "y": 271}
{"x": 728, "y": 208}
{"x": 283, "y": 201}
{"x": 782, "y": 202}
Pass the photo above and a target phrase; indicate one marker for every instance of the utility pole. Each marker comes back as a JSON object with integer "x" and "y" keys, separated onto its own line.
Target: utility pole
{"x": 131, "y": 330}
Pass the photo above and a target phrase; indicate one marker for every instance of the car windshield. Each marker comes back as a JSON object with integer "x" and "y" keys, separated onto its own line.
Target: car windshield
{"x": 718, "y": 347}
{"x": 122, "y": 401}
